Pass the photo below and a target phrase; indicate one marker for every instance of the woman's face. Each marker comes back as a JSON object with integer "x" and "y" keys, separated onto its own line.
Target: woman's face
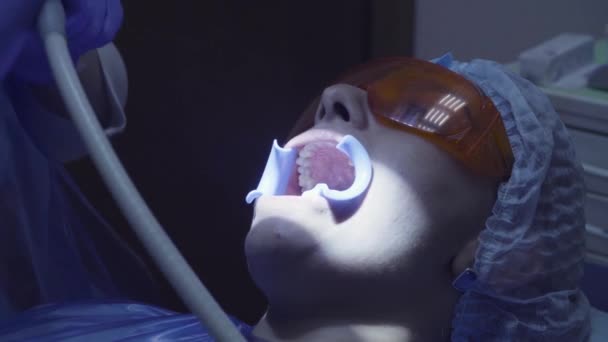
{"x": 420, "y": 210}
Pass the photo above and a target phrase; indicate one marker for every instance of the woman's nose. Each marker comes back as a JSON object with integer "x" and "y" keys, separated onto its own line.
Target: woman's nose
{"x": 345, "y": 104}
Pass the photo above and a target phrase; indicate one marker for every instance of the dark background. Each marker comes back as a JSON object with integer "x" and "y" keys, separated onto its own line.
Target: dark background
{"x": 211, "y": 84}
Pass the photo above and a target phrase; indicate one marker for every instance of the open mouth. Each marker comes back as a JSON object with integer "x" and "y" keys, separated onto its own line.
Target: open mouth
{"x": 318, "y": 162}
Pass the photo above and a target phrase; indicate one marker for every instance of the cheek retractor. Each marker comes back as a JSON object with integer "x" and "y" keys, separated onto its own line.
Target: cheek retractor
{"x": 276, "y": 173}
{"x": 281, "y": 162}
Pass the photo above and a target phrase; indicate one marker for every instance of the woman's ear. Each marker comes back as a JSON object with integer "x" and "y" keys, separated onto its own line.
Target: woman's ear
{"x": 465, "y": 258}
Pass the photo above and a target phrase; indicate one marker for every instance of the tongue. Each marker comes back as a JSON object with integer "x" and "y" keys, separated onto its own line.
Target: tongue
{"x": 331, "y": 166}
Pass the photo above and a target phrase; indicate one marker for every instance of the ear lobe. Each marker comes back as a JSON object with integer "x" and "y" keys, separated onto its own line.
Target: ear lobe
{"x": 465, "y": 258}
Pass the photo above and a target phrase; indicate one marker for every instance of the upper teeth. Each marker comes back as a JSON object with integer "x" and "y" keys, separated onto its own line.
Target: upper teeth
{"x": 308, "y": 149}
{"x": 305, "y": 180}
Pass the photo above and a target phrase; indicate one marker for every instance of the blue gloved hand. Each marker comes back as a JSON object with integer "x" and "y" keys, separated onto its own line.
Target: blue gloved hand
{"x": 90, "y": 24}
{"x": 17, "y": 18}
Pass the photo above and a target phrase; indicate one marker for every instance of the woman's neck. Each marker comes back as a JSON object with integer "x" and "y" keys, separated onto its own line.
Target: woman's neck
{"x": 428, "y": 324}
{"x": 352, "y": 332}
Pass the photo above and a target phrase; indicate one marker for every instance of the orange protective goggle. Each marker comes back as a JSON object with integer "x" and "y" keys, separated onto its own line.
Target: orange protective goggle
{"x": 439, "y": 105}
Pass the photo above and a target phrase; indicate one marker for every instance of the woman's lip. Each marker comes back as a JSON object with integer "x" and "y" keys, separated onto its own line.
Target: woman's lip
{"x": 315, "y": 134}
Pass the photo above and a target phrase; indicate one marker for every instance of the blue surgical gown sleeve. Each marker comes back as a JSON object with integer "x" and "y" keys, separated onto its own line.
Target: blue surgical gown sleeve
{"x": 53, "y": 245}
{"x": 107, "y": 320}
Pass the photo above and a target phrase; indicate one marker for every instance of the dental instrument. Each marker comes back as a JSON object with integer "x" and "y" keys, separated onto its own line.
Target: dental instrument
{"x": 51, "y": 25}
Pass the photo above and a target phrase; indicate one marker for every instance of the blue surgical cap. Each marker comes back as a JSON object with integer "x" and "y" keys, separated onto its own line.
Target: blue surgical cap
{"x": 531, "y": 253}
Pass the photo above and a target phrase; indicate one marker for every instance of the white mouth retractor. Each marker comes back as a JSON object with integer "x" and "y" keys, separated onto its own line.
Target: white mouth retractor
{"x": 281, "y": 163}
